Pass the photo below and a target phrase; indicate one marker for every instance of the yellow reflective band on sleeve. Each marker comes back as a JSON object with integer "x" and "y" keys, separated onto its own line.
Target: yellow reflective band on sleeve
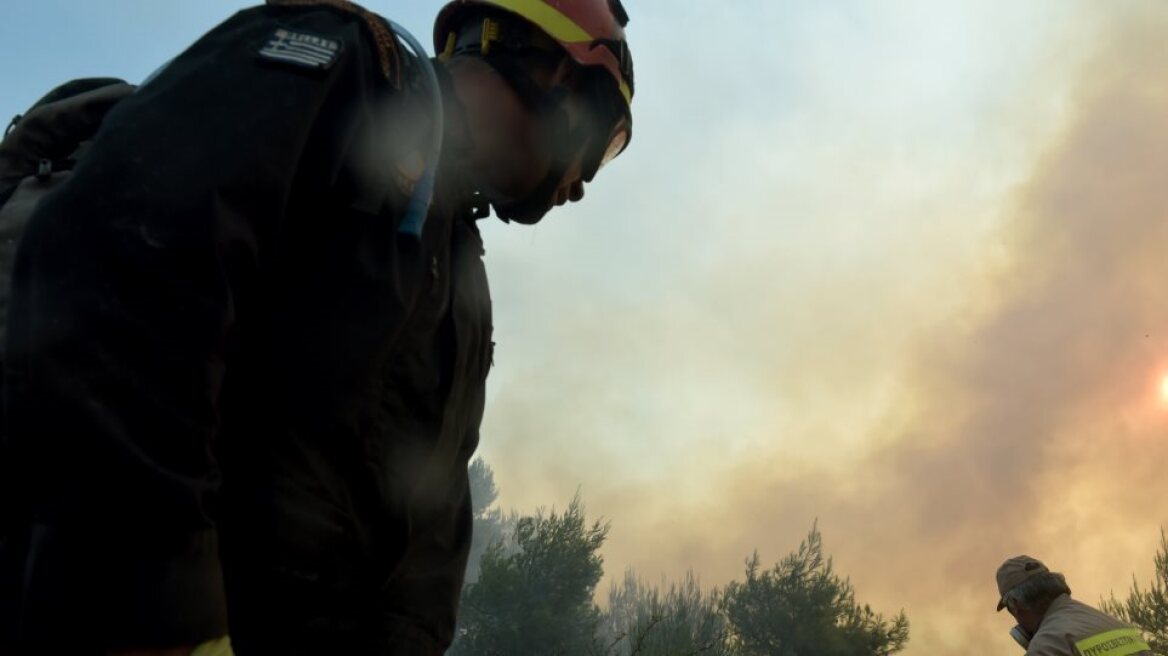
{"x": 220, "y": 647}
{"x": 1120, "y": 642}
{"x": 557, "y": 25}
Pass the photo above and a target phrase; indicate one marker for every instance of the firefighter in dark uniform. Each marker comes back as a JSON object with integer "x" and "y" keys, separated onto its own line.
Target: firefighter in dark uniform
{"x": 246, "y": 353}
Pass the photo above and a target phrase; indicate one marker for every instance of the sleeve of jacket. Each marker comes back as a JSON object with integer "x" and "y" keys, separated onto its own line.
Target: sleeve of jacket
{"x": 128, "y": 288}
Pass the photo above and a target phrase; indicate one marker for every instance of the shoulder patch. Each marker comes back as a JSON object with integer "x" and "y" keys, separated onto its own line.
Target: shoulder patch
{"x": 383, "y": 38}
{"x": 301, "y": 49}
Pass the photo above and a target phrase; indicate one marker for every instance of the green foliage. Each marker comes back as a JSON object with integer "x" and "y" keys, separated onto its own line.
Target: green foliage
{"x": 683, "y": 620}
{"x": 536, "y": 596}
{"x": 531, "y": 582}
{"x": 1148, "y": 608}
{"x": 801, "y": 607}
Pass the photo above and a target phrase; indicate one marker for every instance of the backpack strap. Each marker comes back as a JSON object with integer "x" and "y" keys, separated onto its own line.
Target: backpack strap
{"x": 383, "y": 38}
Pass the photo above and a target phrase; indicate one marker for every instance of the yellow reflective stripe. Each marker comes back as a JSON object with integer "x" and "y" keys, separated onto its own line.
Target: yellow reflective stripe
{"x": 557, "y": 25}
{"x": 1120, "y": 642}
{"x": 626, "y": 92}
{"x": 220, "y": 647}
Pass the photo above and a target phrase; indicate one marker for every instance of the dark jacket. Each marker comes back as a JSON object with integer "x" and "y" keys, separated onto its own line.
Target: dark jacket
{"x": 235, "y": 392}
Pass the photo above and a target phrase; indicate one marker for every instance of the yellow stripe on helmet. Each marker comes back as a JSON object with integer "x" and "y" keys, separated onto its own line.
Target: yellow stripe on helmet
{"x": 557, "y": 25}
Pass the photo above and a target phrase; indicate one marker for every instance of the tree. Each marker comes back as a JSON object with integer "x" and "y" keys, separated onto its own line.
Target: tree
{"x": 801, "y": 607}
{"x": 482, "y": 486}
{"x": 684, "y": 620}
{"x": 536, "y": 597}
{"x": 1148, "y": 609}
{"x": 491, "y": 525}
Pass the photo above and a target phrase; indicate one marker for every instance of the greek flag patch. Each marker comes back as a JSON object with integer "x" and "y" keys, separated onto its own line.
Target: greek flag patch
{"x": 301, "y": 49}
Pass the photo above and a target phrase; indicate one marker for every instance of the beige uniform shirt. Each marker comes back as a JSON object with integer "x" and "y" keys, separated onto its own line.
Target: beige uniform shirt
{"x": 1071, "y": 628}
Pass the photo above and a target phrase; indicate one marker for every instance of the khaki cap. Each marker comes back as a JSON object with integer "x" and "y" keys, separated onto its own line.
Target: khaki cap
{"x": 1014, "y": 572}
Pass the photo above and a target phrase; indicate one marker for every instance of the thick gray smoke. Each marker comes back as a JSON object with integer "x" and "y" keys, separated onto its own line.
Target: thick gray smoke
{"x": 1031, "y": 422}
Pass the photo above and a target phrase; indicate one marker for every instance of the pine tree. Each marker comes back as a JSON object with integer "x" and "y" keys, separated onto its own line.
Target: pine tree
{"x": 801, "y": 607}
{"x": 1148, "y": 608}
{"x": 491, "y": 524}
{"x": 534, "y": 595}
{"x": 682, "y": 620}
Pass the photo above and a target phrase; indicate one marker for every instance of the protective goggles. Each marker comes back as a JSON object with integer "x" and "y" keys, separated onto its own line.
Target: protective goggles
{"x": 605, "y": 127}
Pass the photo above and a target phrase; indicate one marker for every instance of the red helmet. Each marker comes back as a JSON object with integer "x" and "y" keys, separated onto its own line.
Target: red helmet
{"x": 590, "y": 31}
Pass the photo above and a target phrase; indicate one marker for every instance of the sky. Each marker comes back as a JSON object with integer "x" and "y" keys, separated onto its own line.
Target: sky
{"x": 894, "y": 266}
